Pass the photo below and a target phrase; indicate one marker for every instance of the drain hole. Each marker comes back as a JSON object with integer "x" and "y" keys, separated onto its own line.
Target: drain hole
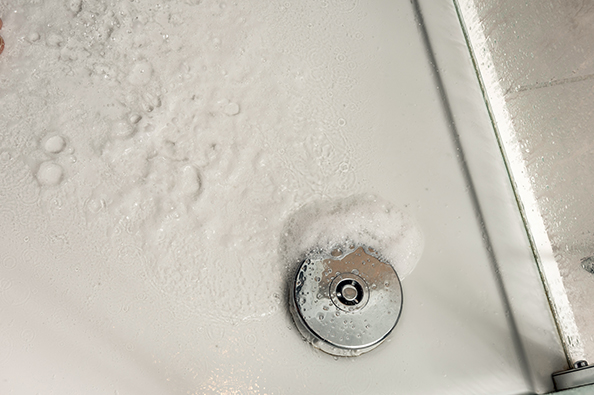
{"x": 349, "y": 292}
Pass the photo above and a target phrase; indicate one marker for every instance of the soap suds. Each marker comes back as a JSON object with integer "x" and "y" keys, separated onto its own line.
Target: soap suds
{"x": 49, "y": 173}
{"x": 356, "y": 220}
{"x": 54, "y": 144}
{"x": 198, "y": 131}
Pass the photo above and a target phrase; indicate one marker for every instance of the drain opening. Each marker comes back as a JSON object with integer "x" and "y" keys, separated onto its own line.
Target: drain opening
{"x": 349, "y": 292}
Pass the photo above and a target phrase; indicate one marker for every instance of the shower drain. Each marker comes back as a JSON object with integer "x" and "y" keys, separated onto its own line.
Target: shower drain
{"x": 345, "y": 303}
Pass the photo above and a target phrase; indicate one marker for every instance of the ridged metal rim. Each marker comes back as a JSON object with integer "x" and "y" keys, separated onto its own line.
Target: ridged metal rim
{"x": 326, "y": 344}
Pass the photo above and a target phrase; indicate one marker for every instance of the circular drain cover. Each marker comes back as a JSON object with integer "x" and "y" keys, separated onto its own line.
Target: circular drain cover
{"x": 346, "y": 303}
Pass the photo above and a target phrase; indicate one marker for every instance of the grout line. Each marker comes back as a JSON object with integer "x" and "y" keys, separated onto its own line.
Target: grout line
{"x": 539, "y": 85}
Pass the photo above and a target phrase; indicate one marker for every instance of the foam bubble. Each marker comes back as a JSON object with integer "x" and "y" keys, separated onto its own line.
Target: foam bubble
{"x": 54, "y": 40}
{"x": 54, "y": 144}
{"x": 232, "y": 109}
{"x": 134, "y": 118}
{"x": 49, "y": 173}
{"x": 33, "y": 37}
{"x": 189, "y": 180}
{"x": 122, "y": 130}
{"x": 361, "y": 220}
{"x": 74, "y": 6}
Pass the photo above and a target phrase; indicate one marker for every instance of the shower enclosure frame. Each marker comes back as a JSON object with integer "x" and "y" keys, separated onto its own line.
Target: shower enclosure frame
{"x": 515, "y": 259}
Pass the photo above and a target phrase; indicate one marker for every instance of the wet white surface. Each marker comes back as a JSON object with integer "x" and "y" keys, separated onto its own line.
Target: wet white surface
{"x": 191, "y": 132}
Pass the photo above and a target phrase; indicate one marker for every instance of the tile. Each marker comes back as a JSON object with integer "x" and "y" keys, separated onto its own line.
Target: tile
{"x": 554, "y": 129}
{"x": 535, "y": 43}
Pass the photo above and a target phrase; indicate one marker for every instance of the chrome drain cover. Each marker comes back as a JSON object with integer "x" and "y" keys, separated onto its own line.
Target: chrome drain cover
{"x": 346, "y": 303}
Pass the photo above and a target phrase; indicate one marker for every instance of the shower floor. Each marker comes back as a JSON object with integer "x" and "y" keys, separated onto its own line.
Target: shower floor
{"x": 151, "y": 153}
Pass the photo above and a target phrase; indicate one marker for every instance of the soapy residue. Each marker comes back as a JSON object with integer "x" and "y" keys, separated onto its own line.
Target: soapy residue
{"x": 180, "y": 159}
{"x": 359, "y": 220}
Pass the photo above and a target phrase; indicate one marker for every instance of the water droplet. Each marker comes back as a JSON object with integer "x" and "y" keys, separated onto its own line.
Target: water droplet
{"x": 232, "y": 109}
{"x": 49, "y": 173}
{"x": 54, "y": 40}
{"x": 321, "y": 317}
{"x": 134, "y": 118}
{"x": 33, "y": 37}
{"x": 54, "y": 144}
{"x": 95, "y": 205}
{"x": 122, "y": 130}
